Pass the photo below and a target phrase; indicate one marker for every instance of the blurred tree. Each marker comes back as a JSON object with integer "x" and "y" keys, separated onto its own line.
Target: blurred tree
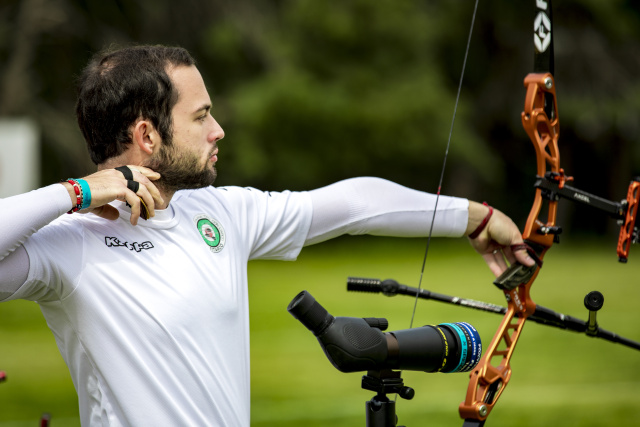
{"x": 356, "y": 90}
{"x": 311, "y": 92}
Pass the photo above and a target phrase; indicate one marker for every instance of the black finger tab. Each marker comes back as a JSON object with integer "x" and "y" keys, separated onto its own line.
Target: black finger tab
{"x": 133, "y": 185}
{"x": 128, "y": 175}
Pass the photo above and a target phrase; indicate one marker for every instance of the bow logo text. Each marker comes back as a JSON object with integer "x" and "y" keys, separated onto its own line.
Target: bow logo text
{"x": 541, "y": 28}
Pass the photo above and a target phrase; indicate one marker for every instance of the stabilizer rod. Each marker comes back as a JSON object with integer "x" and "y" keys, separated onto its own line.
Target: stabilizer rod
{"x": 542, "y": 315}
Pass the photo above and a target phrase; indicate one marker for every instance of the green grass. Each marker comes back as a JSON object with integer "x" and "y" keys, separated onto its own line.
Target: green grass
{"x": 559, "y": 377}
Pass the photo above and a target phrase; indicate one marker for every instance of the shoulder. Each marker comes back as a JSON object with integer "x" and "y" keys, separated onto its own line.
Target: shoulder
{"x": 230, "y": 196}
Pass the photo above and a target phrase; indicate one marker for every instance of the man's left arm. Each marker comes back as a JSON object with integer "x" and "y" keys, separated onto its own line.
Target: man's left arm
{"x": 383, "y": 208}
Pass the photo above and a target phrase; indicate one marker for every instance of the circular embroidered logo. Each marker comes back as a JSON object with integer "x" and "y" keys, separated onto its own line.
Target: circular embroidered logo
{"x": 211, "y": 231}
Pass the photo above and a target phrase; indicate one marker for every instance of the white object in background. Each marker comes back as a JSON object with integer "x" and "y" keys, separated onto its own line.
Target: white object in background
{"x": 19, "y": 156}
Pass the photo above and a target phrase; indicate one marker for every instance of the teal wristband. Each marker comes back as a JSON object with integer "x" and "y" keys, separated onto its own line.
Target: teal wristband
{"x": 86, "y": 193}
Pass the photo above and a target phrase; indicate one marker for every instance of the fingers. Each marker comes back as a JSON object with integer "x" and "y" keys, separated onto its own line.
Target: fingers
{"x": 150, "y": 193}
{"x": 144, "y": 205}
{"x": 496, "y": 261}
{"x": 142, "y": 195}
{"x": 500, "y": 244}
{"x": 131, "y": 184}
{"x": 499, "y": 258}
{"x": 134, "y": 201}
{"x": 134, "y": 186}
{"x": 523, "y": 257}
{"x": 148, "y": 173}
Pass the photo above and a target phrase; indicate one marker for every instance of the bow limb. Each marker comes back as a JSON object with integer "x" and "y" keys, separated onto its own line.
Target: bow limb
{"x": 540, "y": 121}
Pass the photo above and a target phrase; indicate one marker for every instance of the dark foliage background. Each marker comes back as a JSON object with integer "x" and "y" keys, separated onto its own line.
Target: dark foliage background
{"x": 310, "y": 92}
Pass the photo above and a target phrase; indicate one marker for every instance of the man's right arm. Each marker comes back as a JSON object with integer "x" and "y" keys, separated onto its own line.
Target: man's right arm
{"x": 23, "y": 215}
{"x": 20, "y": 217}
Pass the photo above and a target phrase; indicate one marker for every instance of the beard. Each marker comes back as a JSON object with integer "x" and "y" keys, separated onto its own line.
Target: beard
{"x": 180, "y": 169}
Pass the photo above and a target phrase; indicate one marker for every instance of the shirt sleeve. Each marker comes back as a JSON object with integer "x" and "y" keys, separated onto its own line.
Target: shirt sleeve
{"x": 56, "y": 259}
{"x": 24, "y": 214}
{"x": 13, "y": 270}
{"x": 272, "y": 224}
{"x": 21, "y": 217}
{"x": 380, "y": 207}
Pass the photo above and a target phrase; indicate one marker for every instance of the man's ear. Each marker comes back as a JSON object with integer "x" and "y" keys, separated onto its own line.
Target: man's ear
{"x": 145, "y": 136}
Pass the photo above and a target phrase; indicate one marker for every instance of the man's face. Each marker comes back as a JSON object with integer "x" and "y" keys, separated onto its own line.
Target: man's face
{"x": 188, "y": 160}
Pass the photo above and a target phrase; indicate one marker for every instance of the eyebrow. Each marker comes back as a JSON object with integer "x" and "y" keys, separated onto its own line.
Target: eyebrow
{"x": 205, "y": 107}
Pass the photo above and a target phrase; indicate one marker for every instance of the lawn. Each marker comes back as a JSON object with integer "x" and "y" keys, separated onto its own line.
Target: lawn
{"x": 559, "y": 377}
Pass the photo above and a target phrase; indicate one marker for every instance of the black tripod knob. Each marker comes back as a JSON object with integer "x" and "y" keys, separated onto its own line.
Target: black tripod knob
{"x": 406, "y": 393}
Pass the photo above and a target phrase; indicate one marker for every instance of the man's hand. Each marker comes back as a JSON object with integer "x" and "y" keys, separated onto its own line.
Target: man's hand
{"x": 108, "y": 185}
{"x": 496, "y": 239}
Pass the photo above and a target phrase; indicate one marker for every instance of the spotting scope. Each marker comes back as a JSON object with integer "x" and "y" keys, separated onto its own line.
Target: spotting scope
{"x": 359, "y": 344}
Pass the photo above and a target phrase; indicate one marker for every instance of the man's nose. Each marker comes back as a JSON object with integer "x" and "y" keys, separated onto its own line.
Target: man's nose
{"x": 216, "y": 134}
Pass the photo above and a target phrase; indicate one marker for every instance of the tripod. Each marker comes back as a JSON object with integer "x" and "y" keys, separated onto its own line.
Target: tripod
{"x": 381, "y": 412}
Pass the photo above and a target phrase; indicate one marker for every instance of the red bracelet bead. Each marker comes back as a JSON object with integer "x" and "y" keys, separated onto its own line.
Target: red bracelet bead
{"x": 78, "y": 191}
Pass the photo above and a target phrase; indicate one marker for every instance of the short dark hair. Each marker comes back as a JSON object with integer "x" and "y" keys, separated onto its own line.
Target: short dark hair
{"x": 118, "y": 87}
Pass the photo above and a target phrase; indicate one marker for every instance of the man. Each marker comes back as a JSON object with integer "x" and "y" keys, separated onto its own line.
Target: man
{"x": 151, "y": 316}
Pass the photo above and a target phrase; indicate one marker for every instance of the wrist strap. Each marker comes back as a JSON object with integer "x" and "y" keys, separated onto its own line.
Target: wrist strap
{"x": 86, "y": 193}
{"x": 83, "y": 194}
{"x": 78, "y": 190}
{"x": 483, "y": 224}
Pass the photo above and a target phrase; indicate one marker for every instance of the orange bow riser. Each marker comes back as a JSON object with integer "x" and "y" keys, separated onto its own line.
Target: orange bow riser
{"x": 489, "y": 378}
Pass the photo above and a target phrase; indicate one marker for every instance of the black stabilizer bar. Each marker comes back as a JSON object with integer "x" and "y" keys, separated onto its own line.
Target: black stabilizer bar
{"x": 541, "y": 315}
{"x": 616, "y": 210}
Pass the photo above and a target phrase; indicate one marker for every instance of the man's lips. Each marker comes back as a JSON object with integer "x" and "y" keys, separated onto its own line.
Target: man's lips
{"x": 214, "y": 156}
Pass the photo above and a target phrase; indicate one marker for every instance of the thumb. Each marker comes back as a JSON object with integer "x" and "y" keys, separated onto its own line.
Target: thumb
{"x": 523, "y": 257}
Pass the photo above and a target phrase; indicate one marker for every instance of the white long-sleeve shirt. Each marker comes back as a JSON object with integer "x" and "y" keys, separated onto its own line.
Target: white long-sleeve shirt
{"x": 152, "y": 320}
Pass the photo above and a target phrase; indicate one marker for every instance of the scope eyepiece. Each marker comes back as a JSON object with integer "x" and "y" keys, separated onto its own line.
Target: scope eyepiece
{"x": 310, "y": 313}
